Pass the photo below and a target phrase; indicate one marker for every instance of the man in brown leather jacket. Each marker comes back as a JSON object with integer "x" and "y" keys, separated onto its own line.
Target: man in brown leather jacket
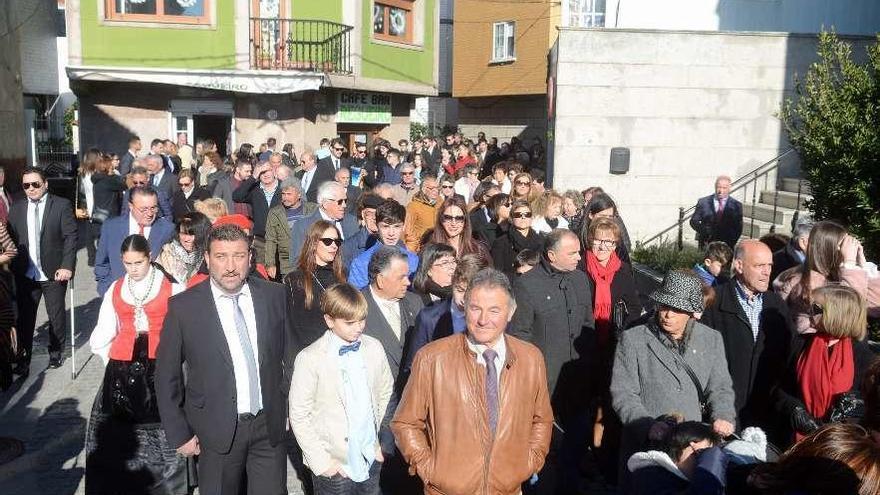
{"x": 475, "y": 416}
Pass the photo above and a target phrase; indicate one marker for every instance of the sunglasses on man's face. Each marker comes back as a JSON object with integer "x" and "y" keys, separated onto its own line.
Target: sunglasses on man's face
{"x": 28, "y": 185}
{"x": 339, "y": 202}
{"x": 327, "y": 241}
{"x": 521, "y": 214}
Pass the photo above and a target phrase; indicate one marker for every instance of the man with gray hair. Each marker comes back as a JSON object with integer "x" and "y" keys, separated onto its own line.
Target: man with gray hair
{"x": 555, "y": 312}
{"x": 407, "y": 188}
{"x": 795, "y": 252}
{"x": 456, "y": 399}
{"x": 280, "y": 223}
{"x": 160, "y": 177}
{"x": 332, "y": 202}
{"x": 718, "y": 217}
{"x": 313, "y": 174}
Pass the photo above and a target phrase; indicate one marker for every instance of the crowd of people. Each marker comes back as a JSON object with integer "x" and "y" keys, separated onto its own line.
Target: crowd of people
{"x": 431, "y": 318}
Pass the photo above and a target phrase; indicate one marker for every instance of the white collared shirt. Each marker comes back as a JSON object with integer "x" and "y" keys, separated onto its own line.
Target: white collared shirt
{"x": 227, "y": 320}
{"x": 134, "y": 228}
{"x": 308, "y": 175}
{"x": 157, "y": 177}
{"x": 35, "y": 269}
{"x": 334, "y": 221}
{"x": 385, "y": 307}
{"x": 500, "y": 349}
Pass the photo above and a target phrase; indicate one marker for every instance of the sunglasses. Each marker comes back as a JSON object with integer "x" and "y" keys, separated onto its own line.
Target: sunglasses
{"x": 521, "y": 183}
{"x": 327, "y": 241}
{"x": 453, "y": 218}
{"x": 28, "y": 185}
{"x": 816, "y": 310}
{"x": 184, "y": 184}
{"x": 522, "y": 214}
{"x": 338, "y": 149}
{"x": 446, "y": 187}
{"x": 339, "y": 202}
{"x": 139, "y": 182}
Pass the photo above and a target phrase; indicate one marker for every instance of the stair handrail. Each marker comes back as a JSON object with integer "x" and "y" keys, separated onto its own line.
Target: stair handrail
{"x": 738, "y": 184}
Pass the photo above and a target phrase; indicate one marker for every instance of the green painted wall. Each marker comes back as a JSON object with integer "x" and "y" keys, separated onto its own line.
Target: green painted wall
{"x": 400, "y": 64}
{"x": 131, "y": 46}
{"x": 328, "y": 10}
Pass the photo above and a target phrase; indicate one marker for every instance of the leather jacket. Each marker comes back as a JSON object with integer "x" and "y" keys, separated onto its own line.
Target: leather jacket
{"x": 442, "y": 427}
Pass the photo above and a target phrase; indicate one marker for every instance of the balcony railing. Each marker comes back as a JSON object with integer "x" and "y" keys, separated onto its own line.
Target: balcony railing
{"x": 300, "y": 44}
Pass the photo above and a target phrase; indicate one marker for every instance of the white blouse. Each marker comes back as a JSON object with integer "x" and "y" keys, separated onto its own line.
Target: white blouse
{"x": 107, "y": 327}
{"x": 541, "y": 226}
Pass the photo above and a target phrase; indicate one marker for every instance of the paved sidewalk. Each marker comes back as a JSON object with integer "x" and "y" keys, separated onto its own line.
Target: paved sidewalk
{"x": 48, "y": 411}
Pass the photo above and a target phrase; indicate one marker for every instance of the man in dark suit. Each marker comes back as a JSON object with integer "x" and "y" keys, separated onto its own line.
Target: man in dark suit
{"x": 795, "y": 252}
{"x": 140, "y": 177}
{"x": 718, "y": 217}
{"x": 332, "y": 203}
{"x": 44, "y": 231}
{"x": 352, "y": 193}
{"x": 430, "y": 154}
{"x": 756, "y": 328}
{"x": 160, "y": 177}
{"x": 143, "y": 218}
{"x": 335, "y": 160}
{"x": 127, "y": 160}
{"x": 391, "y": 319}
{"x": 313, "y": 175}
{"x": 234, "y": 336}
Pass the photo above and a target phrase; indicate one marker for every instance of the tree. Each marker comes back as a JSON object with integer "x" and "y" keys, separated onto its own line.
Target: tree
{"x": 834, "y": 124}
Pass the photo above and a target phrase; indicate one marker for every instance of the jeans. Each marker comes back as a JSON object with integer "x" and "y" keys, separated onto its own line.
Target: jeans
{"x": 340, "y": 485}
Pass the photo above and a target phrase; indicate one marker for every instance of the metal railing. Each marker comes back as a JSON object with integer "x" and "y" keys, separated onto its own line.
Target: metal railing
{"x": 300, "y": 44}
{"x": 739, "y": 185}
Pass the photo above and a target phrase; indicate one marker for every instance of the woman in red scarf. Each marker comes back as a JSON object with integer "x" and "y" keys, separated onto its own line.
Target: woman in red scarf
{"x": 826, "y": 367}
{"x": 615, "y": 306}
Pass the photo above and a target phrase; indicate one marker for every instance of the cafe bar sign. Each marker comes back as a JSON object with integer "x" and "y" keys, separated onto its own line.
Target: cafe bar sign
{"x": 362, "y": 107}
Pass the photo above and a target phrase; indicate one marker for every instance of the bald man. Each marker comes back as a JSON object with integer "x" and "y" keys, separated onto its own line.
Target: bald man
{"x": 757, "y": 332}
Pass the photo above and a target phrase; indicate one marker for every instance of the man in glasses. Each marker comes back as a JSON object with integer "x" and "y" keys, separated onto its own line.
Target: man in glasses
{"x": 332, "y": 205}
{"x": 390, "y": 216}
{"x": 407, "y": 188}
{"x": 430, "y": 154}
{"x": 139, "y": 177}
{"x": 44, "y": 230}
{"x": 142, "y": 218}
{"x": 352, "y": 193}
{"x": 335, "y": 160}
{"x": 313, "y": 174}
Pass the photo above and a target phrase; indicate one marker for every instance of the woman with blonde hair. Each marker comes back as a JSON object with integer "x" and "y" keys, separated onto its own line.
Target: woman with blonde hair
{"x": 549, "y": 208}
{"x": 826, "y": 366}
{"x": 522, "y": 187}
{"x": 213, "y": 208}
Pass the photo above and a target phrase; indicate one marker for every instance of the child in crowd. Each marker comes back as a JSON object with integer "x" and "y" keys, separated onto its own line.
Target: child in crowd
{"x": 339, "y": 438}
{"x": 718, "y": 255}
{"x": 526, "y": 260}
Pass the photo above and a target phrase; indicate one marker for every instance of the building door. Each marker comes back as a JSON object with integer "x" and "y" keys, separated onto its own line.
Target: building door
{"x": 216, "y": 128}
{"x": 350, "y": 134}
{"x": 204, "y": 119}
{"x": 269, "y": 30}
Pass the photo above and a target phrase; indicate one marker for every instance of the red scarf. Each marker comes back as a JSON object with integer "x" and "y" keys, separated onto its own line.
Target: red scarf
{"x": 823, "y": 374}
{"x": 602, "y": 276}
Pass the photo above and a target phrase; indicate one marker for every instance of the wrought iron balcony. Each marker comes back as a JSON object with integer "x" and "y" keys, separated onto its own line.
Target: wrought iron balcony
{"x": 299, "y": 44}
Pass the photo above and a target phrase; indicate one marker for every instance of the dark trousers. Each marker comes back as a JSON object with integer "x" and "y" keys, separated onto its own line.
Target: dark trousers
{"x": 339, "y": 485}
{"x": 28, "y": 297}
{"x": 251, "y": 454}
{"x": 561, "y": 472}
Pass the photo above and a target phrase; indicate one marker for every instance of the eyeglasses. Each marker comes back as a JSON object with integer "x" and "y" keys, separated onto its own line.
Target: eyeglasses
{"x": 407, "y": 173}
{"x": 185, "y": 184}
{"x": 28, "y": 185}
{"x": 327, "y": 241}
{"x": 816, "y": 310}
{"x": 338, "y": 149}
{"x": 453, "y": 218}
{"x": 604, "y": 243}
{"x": 148, "y": 209}
{"x": 339, "y": 202}
{"x": 522, "y": 214}
{"x": 522, "y": 183}
{"x": 445, "y": 264}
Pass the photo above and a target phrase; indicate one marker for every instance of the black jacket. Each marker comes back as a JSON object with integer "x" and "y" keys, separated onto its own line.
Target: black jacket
{"x": 323, "y": 173}
{"x": 181, "y": 205}
{"x": 308, "y": 324}
{"x": 755, "y": 365}
{"x": 508, "y": 244}
{"x": 784, "y": 259}
{"x": 108, "y": 190}
{"x": 249, "y": 191}
{"x": 204, "y": 402}
{"x": 709, "y": 228}
{"x": 58, "y": 241}
{"x": 554, "y": 311}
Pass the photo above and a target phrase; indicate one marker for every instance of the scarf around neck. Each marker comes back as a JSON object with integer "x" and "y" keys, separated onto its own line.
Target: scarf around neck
{"x": 602, "y": 276}
{"x": 824, "y": 372}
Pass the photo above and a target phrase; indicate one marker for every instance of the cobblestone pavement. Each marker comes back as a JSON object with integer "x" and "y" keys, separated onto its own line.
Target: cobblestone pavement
{"x": 48, "y": 411}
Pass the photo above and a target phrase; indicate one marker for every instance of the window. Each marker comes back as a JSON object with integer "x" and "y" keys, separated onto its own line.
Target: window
{"x": 503, "y": 42}
{"x": 393, "y": 20}
{"x": 170, "y": 11}
{"x": 585, "y": 13}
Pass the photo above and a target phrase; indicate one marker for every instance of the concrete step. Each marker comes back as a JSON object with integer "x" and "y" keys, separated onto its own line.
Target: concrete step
{"x": 786, "y": 199}
{"x": 790, "y": 184}
{"x": 765, "y": 213}
{"x": 761, "y": 228}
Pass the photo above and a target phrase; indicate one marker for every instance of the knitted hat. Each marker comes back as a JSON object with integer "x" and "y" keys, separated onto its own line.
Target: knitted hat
{"x": 680, "y": 290}
{"x": 234, "y": 219}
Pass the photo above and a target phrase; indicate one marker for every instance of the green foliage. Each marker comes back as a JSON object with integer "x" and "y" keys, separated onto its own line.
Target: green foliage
{"x": 417, "y": 131}
{"x": 69, "y": 122}
{"x": 665, "y": 256}
{"x": 834, "y": 124}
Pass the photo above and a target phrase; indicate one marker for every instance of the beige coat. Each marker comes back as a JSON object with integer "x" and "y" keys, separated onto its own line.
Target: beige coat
{"x": 788, "y": 286}
{"x": 317, "y": 410}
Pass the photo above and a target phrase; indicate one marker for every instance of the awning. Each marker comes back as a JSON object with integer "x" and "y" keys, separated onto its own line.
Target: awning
{"x": 238, "y": 81}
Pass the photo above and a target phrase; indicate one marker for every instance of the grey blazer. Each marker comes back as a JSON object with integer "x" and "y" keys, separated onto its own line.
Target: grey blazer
{"x": 648, "y": 382}
{"x": 378, "y": 327}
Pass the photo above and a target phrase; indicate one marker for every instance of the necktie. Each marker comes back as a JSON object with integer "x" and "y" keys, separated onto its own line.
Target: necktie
{"x": 250, "y": 360}
{"x": 141, "y": 229}
{"x": 353, "y": 347}
{"x": 491, "y": 388}
{"x": 38, "y": 230}
{"x": 720, "y": 212}
{"x": 154, "y": 179}
{"x": 394, "y": 317}
{"x": 336, "y": 163}
{"x": 4, "y": 206}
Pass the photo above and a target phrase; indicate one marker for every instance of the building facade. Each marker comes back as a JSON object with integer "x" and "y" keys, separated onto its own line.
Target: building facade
{"x": 240, "y": 71}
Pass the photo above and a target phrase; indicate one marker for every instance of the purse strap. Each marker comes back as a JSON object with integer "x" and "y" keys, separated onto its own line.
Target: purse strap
{"x": 701, "y": 391}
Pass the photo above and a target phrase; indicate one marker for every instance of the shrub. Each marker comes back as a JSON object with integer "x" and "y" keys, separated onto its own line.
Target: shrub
{"x": 834, "y": 124}
{"x": 665, "y": 256}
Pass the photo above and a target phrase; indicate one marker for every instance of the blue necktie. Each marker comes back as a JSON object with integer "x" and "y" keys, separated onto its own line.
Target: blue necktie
{"x": 491, "y": 388}
{"x": 350, "y": 348}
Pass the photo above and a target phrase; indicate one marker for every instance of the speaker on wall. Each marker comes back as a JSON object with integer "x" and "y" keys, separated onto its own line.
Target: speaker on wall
{"x": 619, "y": 160}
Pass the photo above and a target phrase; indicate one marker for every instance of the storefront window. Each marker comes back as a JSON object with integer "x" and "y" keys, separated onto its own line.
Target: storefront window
{"x": 170, "y": 11}
{"x": 393, "y": 20}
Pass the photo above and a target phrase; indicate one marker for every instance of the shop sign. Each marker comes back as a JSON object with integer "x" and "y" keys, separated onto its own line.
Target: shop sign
{"x": 361, "y": 107}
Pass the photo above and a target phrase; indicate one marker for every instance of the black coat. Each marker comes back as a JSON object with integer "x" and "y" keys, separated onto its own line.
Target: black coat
{"x": 181, "y": 205}
{"x": 755, "y": 365}
{"x": 508, "y": 244}
{"x": 203, "y": 403}
{"x": 554, "y": 311}
{"x": 784, "y": 259}
{"x": 249, "y": 191}
{"x": 623, "y": 289}
{"x": 107, "y": 191}
{"x": 323, "y": 173}
{"x": 788, "y": 393}
{"x": 708, "y": 227}
{"x": 58, "y": 240}
{"x": 308, "y": 323}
